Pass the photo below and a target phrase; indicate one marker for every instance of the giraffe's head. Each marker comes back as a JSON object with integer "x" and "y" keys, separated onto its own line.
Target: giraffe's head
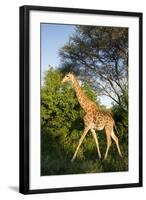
{"x": 68, "y": 77}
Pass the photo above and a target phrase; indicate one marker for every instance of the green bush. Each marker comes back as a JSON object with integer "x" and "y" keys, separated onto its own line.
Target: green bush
{"x": 62, "y": 126}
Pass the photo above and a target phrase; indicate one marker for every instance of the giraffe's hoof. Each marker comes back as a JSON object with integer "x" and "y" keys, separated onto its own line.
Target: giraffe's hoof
{"x": 121, "y": 156}
{"x": 105, "y": 158}
{"x": 99, "y": 156}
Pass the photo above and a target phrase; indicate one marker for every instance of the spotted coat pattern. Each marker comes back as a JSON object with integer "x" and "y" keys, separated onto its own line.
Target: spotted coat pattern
{"x": 94, "y": 119}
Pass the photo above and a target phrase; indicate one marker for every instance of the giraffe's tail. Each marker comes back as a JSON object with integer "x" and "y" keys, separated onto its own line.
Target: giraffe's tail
{"x": 116, "y": 130}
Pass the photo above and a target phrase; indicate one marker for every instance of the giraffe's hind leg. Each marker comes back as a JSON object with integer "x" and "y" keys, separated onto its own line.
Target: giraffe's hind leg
{"x": 108, "y": 130}
{"x": 115, "y": 138}
{"x": 96, "y": 141}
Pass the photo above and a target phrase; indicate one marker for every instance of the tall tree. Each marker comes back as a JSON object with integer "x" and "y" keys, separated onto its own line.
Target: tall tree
{"x": 100, "y": 55}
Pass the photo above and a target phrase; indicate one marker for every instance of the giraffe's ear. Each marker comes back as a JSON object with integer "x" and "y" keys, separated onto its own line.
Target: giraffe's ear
{"x": 72, "y": 73}
{"x": 67, "y": 74}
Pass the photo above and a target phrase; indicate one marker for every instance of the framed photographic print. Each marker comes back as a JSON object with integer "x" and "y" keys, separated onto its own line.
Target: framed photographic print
{"x": 80, "y": 99}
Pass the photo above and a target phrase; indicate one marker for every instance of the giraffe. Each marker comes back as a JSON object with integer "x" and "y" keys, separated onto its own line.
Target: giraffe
{"x": 94, "y": 119}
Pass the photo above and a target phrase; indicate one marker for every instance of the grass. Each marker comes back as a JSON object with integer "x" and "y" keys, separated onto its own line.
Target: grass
{"x": 56, "y": 157}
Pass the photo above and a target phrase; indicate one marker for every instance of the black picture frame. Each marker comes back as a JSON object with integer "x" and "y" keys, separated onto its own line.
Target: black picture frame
{"x": 25, "y": 105}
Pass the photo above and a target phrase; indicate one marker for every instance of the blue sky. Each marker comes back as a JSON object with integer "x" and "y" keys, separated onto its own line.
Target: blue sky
{"x": 53, "y": 37}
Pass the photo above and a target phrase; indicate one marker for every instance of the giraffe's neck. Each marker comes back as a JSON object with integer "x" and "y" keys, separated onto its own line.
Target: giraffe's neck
{"x": 82, "y": 98}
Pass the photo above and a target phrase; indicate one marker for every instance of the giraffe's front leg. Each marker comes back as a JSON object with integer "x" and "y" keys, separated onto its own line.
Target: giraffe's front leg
{"x": 96, "y": 141}
{"x": 80, "y": 142}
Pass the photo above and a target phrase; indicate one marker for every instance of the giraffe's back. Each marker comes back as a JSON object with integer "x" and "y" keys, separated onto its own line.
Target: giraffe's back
{"x": 102, "y": 119}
